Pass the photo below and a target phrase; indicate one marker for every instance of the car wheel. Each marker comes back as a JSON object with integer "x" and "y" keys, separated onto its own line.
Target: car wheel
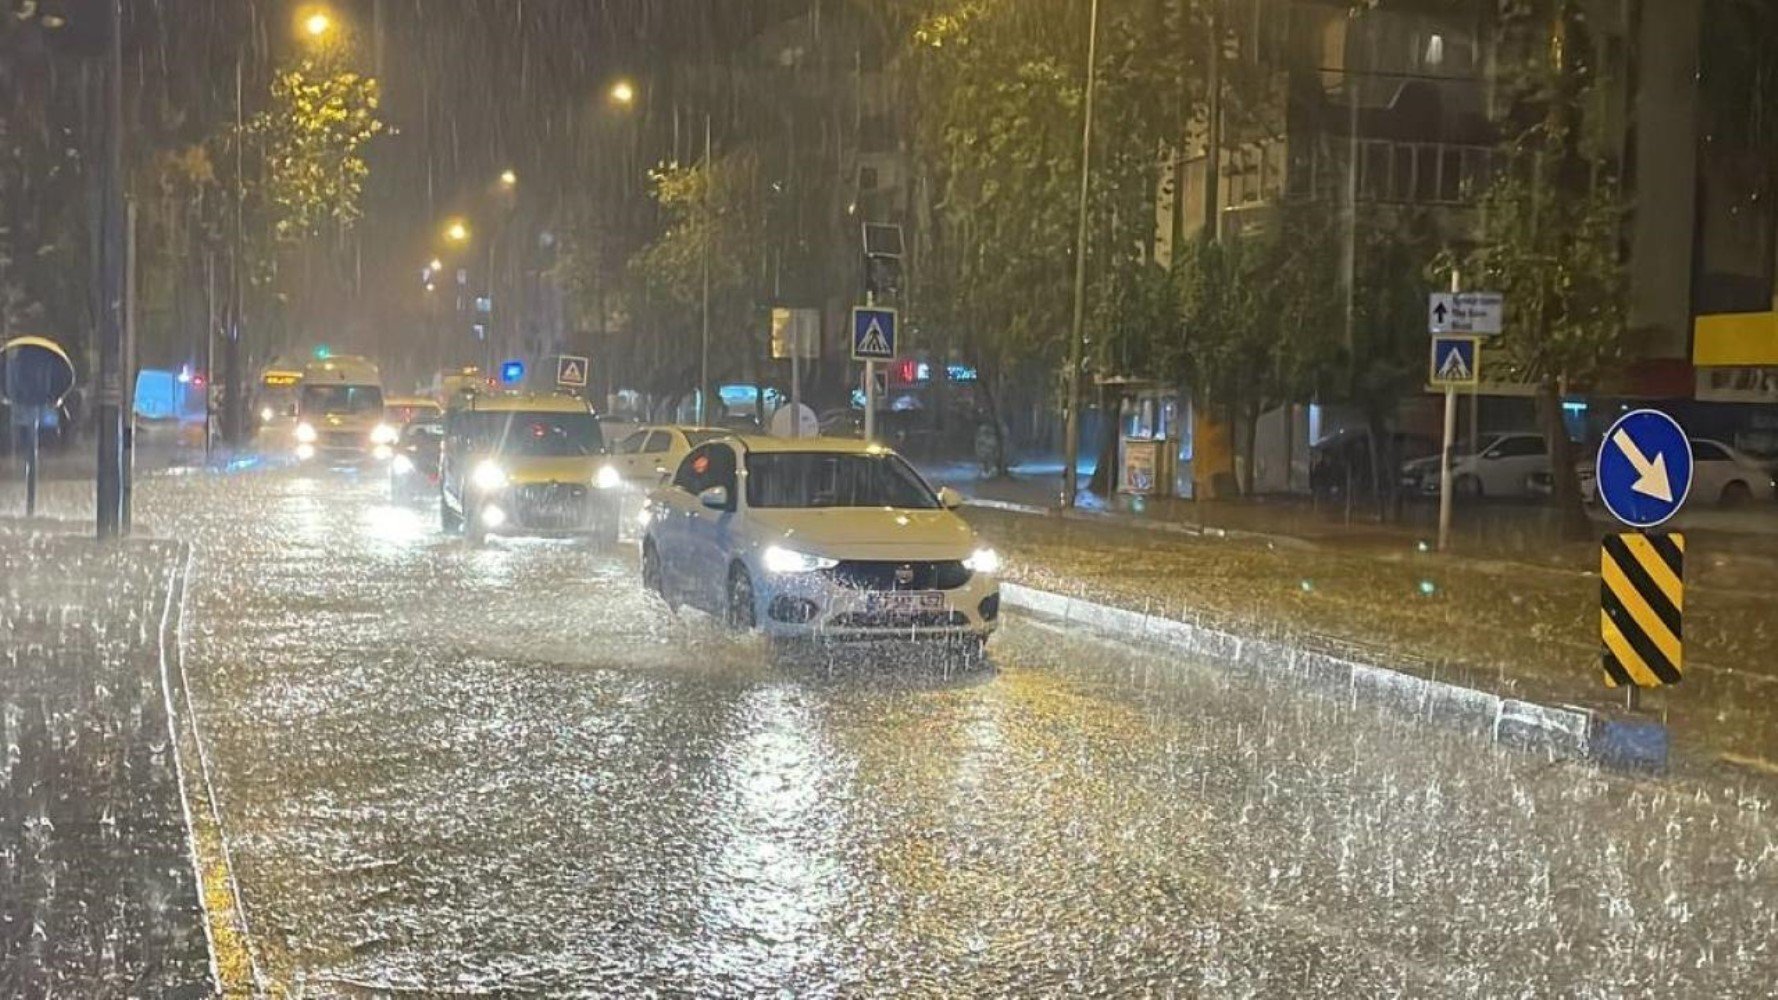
{"x": 449, "y": 521}
{"x": 740, "y": 614}
{"x": 1467, "y": 488}
{"x": 651, "y": 571}
{"x": 1736, "y": 494}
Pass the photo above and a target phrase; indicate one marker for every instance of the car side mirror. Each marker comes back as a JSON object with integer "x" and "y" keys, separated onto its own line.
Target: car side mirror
{"x": 715, "y": 498}
{"x": 949, "y": 498}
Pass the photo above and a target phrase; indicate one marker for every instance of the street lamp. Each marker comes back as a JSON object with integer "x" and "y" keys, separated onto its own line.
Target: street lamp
{"x": 508, "y": 178}
{"x": 435, "y": 265}
{"x": 456, "y": 231}
{"x": 317, "y": 24}
{"x": 623, "y": 92}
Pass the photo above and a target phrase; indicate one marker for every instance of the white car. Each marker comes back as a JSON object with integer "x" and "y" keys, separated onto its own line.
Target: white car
{"x": 819, "y": 538}
{"x": 649, "y": 455}
{"x": 1721, "y": 475}
{"x": 1503, "y": 466}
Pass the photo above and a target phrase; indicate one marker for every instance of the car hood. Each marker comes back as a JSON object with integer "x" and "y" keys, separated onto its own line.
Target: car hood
{"x": 866, "y": 532}
{"x": 566, "y": 469}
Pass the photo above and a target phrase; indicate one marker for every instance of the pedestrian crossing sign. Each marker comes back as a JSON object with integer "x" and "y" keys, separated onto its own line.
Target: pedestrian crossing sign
{"x": 571, "y": 372}
{"x": 1456, "y": 361}
{"x": 873, "y": 334}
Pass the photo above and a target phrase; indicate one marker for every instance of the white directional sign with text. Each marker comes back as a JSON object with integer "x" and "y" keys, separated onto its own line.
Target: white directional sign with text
{"x": 1465, "y": 312}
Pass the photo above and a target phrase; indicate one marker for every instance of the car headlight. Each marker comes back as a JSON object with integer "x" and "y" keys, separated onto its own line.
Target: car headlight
{"x": 983, "y": 561}
{"x": 384, "y": 434}
{"x": 608, "y": 478}
{"x": 778, "y": 559}
{"x": 487, "y": 476}
{"x": 266, "y": 415}
{"x": 305, "y": 433}
{"x": 403, "y": 465}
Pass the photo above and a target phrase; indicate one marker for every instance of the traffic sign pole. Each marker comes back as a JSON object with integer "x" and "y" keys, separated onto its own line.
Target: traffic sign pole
{"x": 870, "y": 385}
{"x": 1444, "y": 456}
{"x": 35, "y": 413}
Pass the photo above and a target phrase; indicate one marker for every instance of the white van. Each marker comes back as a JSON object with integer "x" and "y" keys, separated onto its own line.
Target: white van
{"x": 339, "y": 412}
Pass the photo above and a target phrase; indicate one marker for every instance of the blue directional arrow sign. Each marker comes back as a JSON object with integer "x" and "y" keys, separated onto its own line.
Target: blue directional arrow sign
{"x": 873, "y": 334}
{"x": 1644, "y": 468}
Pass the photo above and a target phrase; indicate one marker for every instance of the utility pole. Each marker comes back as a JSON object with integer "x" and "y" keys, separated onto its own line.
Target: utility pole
{"x": 1213, "y": 130}
{"x": 231, "y": 329}
{"x": 111, "y": 292}
{"x": 704, "y": 340}
{"x": 1077, "y": 335}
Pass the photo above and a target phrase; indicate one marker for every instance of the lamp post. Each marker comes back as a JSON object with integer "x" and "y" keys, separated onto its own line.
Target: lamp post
{"x": 1077, "y": 335}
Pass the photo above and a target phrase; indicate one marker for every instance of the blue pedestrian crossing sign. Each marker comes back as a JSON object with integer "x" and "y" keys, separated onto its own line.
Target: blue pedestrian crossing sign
{"x": 873, "y": 334}
{"x": 1644, "y": 469}
{"x": 1455, "y": 361}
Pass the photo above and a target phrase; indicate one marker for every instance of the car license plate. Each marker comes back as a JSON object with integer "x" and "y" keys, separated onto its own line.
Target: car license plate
{"x": 906, "y": 602}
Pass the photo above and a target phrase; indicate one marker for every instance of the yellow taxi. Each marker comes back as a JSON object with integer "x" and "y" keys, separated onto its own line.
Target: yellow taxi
{"x": 527, "y": 465}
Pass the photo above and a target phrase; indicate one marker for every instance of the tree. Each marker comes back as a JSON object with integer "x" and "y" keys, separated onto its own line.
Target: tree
{"x": 998, "y": 105}
{"x": 1552, "y": 232}
{"x": 311, "y": 142}
{"x": 714, "y": 224}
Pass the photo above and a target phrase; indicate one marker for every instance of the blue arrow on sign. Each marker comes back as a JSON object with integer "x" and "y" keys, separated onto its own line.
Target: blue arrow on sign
{"x": 1644, "y": 469}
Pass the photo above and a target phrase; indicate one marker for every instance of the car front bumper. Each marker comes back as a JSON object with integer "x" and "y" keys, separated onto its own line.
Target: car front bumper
{"x": 552, "y": 510}
{"x": 817, "y": 606}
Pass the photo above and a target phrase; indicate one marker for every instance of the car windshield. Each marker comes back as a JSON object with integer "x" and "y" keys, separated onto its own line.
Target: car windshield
{"x": 834, "y": 479}
{"x": 536, "y": 434}
{"x": 341, "y": 398}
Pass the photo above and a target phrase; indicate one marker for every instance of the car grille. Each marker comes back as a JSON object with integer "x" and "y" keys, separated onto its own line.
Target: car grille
{"x": 342, "y": 439}
{"x": 551, "y": 506}
{"x": 859, "y": 574}
{"x": 923, "y": 619}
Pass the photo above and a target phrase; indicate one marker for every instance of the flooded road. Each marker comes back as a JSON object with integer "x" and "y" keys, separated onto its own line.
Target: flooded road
{"x": 505, "y": 770}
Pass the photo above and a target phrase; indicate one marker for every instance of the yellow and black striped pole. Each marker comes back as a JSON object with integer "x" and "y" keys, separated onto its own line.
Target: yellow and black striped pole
{"x": 1642, "y": 609}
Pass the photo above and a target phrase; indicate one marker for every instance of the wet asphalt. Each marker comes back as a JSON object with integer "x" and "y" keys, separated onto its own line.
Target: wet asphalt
{"x": 507, "y": 771}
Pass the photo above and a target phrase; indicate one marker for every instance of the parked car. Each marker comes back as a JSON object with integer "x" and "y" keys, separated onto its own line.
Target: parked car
{"x": 1345, "y": 457}
{"x": 1721, "y": 475}
{"x": 1502, "y": 466}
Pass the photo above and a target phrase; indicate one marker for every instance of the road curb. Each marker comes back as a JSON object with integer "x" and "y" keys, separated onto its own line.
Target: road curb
{"x": 1565, "y": 732}
{"x": 1137, "y": 522}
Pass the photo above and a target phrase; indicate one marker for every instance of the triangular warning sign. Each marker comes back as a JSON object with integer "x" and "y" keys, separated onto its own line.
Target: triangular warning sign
{"x": 873, "y": 341}
{"x": 571, "y": 372}
{"x": 1454, "y": 368}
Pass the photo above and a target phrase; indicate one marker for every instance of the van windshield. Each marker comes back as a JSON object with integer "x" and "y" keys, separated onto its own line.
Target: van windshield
{"x": 341, "y": 398}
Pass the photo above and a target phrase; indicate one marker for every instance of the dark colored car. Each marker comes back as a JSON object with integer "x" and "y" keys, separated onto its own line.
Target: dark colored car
{"x": 413, "y": 472}
{"x": 1342, "y": 461}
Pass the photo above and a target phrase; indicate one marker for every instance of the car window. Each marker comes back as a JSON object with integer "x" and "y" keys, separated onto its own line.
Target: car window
{"x": 1517, "y": 447}
{"x": 632, "y": 443}
{"x": 1707, "y": 451}
{"x": 834, "y": 479}
{"x": 543, "y": 434}
{"x": 710, "y": 465}
{"x": 658, "y": 442}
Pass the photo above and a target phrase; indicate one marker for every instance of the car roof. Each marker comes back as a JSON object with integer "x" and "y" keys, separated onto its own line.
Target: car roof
{"x": 527, "y": 403}
{"x": 393, "y": 401}
{"x": 826, "y": 445}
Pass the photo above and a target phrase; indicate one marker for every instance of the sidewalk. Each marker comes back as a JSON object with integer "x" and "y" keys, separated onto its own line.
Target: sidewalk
{"x": 97, "y": 891}
{"x": 1516, "y": 622}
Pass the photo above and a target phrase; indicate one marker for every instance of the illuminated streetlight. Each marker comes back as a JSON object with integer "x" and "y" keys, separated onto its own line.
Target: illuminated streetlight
{"x": 508, "y": 178}
{"x": 457, "y": 232}
{"x": 317, "y": 24}
{"x": 435, "y": 265}
{"x": 623, "y": 92}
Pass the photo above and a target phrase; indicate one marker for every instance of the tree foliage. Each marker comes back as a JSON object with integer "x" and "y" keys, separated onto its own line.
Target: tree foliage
{"x": 310, "y": 141}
